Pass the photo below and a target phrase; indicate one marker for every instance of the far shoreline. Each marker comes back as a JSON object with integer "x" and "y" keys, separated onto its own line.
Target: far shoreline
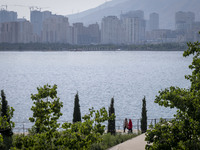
{"x": 166, "y": 50}
{"x": 57, "y": 47}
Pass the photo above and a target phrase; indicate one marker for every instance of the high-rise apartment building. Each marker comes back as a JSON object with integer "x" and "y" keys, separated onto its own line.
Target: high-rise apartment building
{"x": 183, "y": 24}
{"x": 70, "y": 35}
{"x": 195, "y": 31}
{"x": 7, "y": 16}
{"x": 16, "y": 32}
{"x": 133, "y": 14}
{"x": 78, "y": 33}
{"x": 111, "y": 30}
{"x": 133, "y": 27}
{"x": 153, "y": 23}
{"x": 93, "y": 34}
{"x": 85, "y": 35}
{"x": 55, "y": 29}
{"x": 37, "y": 19}
{"x": 184, "y": 20}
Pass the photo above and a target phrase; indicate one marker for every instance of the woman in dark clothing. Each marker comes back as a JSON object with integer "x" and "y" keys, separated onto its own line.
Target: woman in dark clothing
{"x": 125, "y": 124}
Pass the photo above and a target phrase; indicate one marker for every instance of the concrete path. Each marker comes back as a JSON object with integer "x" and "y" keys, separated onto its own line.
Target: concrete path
{"x": 137, "y": 143}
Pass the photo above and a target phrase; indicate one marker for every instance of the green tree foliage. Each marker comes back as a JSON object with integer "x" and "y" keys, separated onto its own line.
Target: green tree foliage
{"x": 1, "y": 142}
{"x": 144, "y": 116}
{"x": 111, "y": 122}
{"x": 5, "y": 110}
{"x": 79, "y": 135}
{"x": 4, "y": 105}
{"x": 2, "y": 125}
{"x": 77, "y": 112}
{"x": 183, "y": 132}
{"x": 6, "y": 125}
{"x": 46, "y": 109}
{"x": 84, "y": 134}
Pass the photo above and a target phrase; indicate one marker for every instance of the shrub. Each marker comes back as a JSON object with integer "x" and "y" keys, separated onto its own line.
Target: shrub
{"x": 111, "y": 140}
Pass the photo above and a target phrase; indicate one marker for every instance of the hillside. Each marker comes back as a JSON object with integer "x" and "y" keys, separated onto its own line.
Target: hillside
{"x": 166, "y": 9}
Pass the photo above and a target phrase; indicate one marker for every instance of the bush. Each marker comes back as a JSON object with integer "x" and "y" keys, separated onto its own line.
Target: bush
{"x": 80, "y": 135}
{"x": 111, "y": 140}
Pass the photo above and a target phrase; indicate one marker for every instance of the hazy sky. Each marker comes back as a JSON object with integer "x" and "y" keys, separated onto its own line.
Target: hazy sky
{"x": 60, "y": 7}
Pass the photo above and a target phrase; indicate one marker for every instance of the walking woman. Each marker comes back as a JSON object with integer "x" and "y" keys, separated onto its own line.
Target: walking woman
{"x": 130, "y": 126}
{"x": 125, "y": 124}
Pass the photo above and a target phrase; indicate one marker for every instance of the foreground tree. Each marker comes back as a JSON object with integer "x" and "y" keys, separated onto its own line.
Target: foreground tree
{"x": 3, "y": 125}
{"x": 79, "y": 135}
{"x": 6, "y": 125}
{"x": 111, "y": 122}
{"x": 77, "y": 112}
{"x": 1, "y": 142}
{"x": 144, "y": 116}
{"x": 46, "y": 109}
{"x": 183, "y": 132}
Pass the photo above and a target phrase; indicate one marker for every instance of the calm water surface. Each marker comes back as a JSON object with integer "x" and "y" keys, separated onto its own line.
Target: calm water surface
{"x": 97, "y": 76}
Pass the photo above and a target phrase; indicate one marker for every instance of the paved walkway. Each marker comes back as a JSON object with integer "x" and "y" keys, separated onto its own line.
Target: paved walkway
{"x": 137, "y": 143}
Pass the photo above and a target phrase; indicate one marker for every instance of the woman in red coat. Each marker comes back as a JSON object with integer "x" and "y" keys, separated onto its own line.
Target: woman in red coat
{"x": 130, "y": 125}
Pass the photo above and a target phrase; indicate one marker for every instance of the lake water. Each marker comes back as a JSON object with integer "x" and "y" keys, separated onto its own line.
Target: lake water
{"x": 97, "y": 76}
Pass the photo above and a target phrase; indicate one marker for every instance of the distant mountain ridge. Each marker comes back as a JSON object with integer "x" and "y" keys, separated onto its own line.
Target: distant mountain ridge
{"x": 165, "y": 8}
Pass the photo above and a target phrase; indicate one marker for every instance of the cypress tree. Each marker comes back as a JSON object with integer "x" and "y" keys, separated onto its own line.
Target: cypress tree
{"x": 111, "y": 123}
{"x": 7, "y": 132}
{"x": 4, "y": 107}
{"x": 77, "y": 112}
{"x": 144, "y": 116}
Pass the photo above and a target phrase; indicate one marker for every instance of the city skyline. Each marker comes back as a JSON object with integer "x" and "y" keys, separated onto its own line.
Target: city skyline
{"x": 129, "y": 28}
{"x": 89, "y": 12}
{"x": 60, "y": 7}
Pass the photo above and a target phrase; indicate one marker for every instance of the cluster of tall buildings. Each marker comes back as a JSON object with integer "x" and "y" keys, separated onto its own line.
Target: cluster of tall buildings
{"x": 186, "y": 29}
{"x": 45, "y": 27}
{"x": 129, "y": 28}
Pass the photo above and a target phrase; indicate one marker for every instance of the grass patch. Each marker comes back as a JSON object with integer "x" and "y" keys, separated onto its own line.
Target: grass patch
{"x": 111, "y": 140}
